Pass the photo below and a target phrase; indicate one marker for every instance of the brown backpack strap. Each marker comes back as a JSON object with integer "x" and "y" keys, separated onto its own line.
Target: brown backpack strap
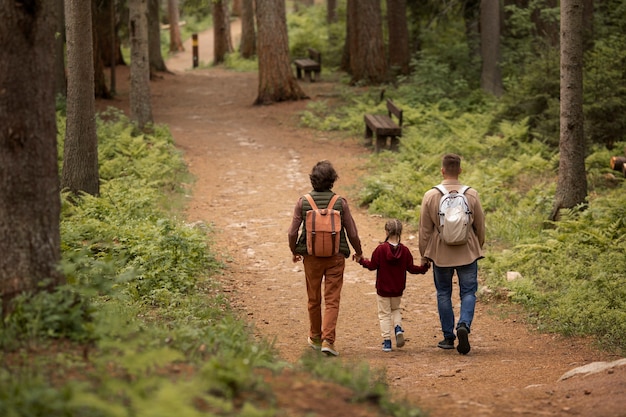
{"x": 311, "y": 201}
{"x": 331, "y": 205}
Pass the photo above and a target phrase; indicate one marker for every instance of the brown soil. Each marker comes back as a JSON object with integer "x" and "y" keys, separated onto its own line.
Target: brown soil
{"x": 250, "y": 165}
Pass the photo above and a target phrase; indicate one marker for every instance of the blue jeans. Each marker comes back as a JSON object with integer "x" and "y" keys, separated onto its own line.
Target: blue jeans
{"x": 468, "y": 285}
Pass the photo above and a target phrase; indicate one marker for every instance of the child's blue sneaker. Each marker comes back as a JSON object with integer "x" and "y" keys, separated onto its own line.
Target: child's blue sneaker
{"x": 399, "y": 336}
{"x": 387, "y": 345}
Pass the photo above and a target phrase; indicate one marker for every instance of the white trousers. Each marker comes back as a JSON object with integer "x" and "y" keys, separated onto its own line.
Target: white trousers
{"x": 389, "y": 315}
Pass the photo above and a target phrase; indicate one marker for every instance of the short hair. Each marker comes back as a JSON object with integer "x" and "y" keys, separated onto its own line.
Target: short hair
{"x": 323, "y": 176}
{"x": 393, "y": 228}
{"x": 451, "y": 164}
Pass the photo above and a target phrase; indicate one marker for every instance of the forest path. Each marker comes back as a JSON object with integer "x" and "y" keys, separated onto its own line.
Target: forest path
{"x": 251, "y": 164}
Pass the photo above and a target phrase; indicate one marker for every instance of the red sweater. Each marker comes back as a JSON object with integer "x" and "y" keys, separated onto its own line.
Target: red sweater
{"x": 391, "y": 264}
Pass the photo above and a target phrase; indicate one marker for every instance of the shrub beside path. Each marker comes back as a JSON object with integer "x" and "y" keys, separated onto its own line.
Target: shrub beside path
{"x": 251, "y": 164}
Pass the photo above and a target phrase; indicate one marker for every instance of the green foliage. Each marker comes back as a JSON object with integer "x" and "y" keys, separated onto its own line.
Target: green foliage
{"x": 605, "y": 92}
{"x": 574, "y": 274}
{"x": 235, "y": 62}
{"x": 308, "y": 28}
{"x": 60, "y": 313}
{"x": 368, "y": 385}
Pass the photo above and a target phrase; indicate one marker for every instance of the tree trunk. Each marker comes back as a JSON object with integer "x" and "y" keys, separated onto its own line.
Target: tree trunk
{"x": 247, "y": 48}
{"x": 367, "y": 51}
{"x": 331, "y": 11}
{"x": 109, "y": 44}
{"x": 176, "y": 42}
{"x": 399, "y": 54}
{"x": 471, "y": 16}
{"x": 350, "y": 36}
{"x": 99, "y": 85}
{"x": 491, "y": 77}
{"x": 29, "y": 181}
{"x": 140, "y": 103}
{"x": 571, "y": 189}
{"x": 80, "y": 151}
{"x": 237, "y": 8}
{"x": 276, "y": 79}
{"x": 221, "y": 31}
{"x": 154, "y": 37}
{"x": 60, "y": 83}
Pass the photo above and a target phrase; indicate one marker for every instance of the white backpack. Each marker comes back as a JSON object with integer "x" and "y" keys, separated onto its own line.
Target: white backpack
{"x": 454, "y": 216}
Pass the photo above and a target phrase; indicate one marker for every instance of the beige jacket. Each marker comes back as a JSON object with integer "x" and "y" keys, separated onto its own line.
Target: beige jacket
{"x": 430, "y": 244}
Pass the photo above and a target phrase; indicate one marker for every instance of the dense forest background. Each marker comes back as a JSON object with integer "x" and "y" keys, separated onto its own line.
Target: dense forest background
{"x": 478, "y": 80}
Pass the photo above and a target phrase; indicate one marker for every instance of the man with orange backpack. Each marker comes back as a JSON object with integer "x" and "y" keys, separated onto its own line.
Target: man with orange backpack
{"x": 323, "y": 247}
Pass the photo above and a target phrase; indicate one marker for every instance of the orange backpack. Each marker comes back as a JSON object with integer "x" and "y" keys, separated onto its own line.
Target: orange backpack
{"x": 322, "y": 229}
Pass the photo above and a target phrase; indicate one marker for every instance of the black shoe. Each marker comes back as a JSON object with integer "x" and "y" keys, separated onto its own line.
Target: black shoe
{"x": 446, "y": 344}
{"x": 462, "y": 333}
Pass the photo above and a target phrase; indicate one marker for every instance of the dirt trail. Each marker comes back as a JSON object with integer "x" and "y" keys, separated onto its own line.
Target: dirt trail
{"x": 252, "y": 163}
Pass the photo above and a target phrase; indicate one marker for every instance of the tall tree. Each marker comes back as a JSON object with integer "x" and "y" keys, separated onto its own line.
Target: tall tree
{"x": 247, "y": 47}
{"x": 491, "y": 76}
{"x": 276, "y": 79}
{"x": 331, "y": 11}
{"x": 237, "y": 8}
{"x": 399, "y": 54}
{"x": 140, "y": 102}
{"x": 221, "y": 31}
{"x": 157, "y": 63}
{"x": 30, "y": 202}
{"x": 176, "y": 42}
{"x": 80, "y": 152}
{"x": 571, "y": 188}
{"x": 367, "y": 50}
{"x": 99, "y": 80}
{"x": 59, "y": 67}
{"x": 106, "y": 27}
{"x": 471, "y": 16}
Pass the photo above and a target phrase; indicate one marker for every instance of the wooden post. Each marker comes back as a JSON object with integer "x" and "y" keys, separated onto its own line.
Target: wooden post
{"x": 194, "y": 39}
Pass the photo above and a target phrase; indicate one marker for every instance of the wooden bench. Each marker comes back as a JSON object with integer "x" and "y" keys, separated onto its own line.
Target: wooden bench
{"x": 311, "y": 66}
{"x": 383, "y": 126}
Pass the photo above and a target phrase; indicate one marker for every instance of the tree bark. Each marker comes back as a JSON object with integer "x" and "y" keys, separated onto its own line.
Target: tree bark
{"x": 491, "y": 77}
{"x": 80, "y": 151}
{"x": 247, "y": 47}
{"x": 109, "y": 44}
{"x": 399, "y": 54}
{"x": 99, "y": 85}
{"x": 221, "y": 31}
{"x": 350, "y": 36}
{"x": 157, "y": 63}
{"x": 237, "y": 9}
{"x": 276, "y": 79}
{"x": 471, "y": 16}
{"x": 331, "y": 11}
{"x": 140, "y": 102}
{"x": 571, "y": 189}
{"x": 59, "y": 63}
{"x": 176, "y": 42}
{"x": 29, "y": 181}
{"x": 367, "y": 51}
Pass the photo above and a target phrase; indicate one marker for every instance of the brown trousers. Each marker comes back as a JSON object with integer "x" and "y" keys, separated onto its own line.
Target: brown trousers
{"x": 330, "y": 270}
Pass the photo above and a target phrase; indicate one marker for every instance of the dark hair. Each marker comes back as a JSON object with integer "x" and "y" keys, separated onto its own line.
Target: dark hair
{"x": 323, "y": 176}
{"x": 393, "y": 228}
{"x": 451, "y": 164}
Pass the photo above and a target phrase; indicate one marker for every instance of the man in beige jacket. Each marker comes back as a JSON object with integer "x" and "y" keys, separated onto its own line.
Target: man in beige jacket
{"x": 447, "y": 259}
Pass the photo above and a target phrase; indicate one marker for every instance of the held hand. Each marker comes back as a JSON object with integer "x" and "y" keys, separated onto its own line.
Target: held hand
{"x": 296, "y": 258}
{"x": 356, "y": 257}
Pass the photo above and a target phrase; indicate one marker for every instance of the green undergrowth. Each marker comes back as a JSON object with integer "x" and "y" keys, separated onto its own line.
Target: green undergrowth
{"x": 143, "y": 327}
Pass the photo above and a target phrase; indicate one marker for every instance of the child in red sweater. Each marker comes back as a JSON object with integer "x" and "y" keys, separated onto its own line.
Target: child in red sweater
{"x": 391, "y": 260}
